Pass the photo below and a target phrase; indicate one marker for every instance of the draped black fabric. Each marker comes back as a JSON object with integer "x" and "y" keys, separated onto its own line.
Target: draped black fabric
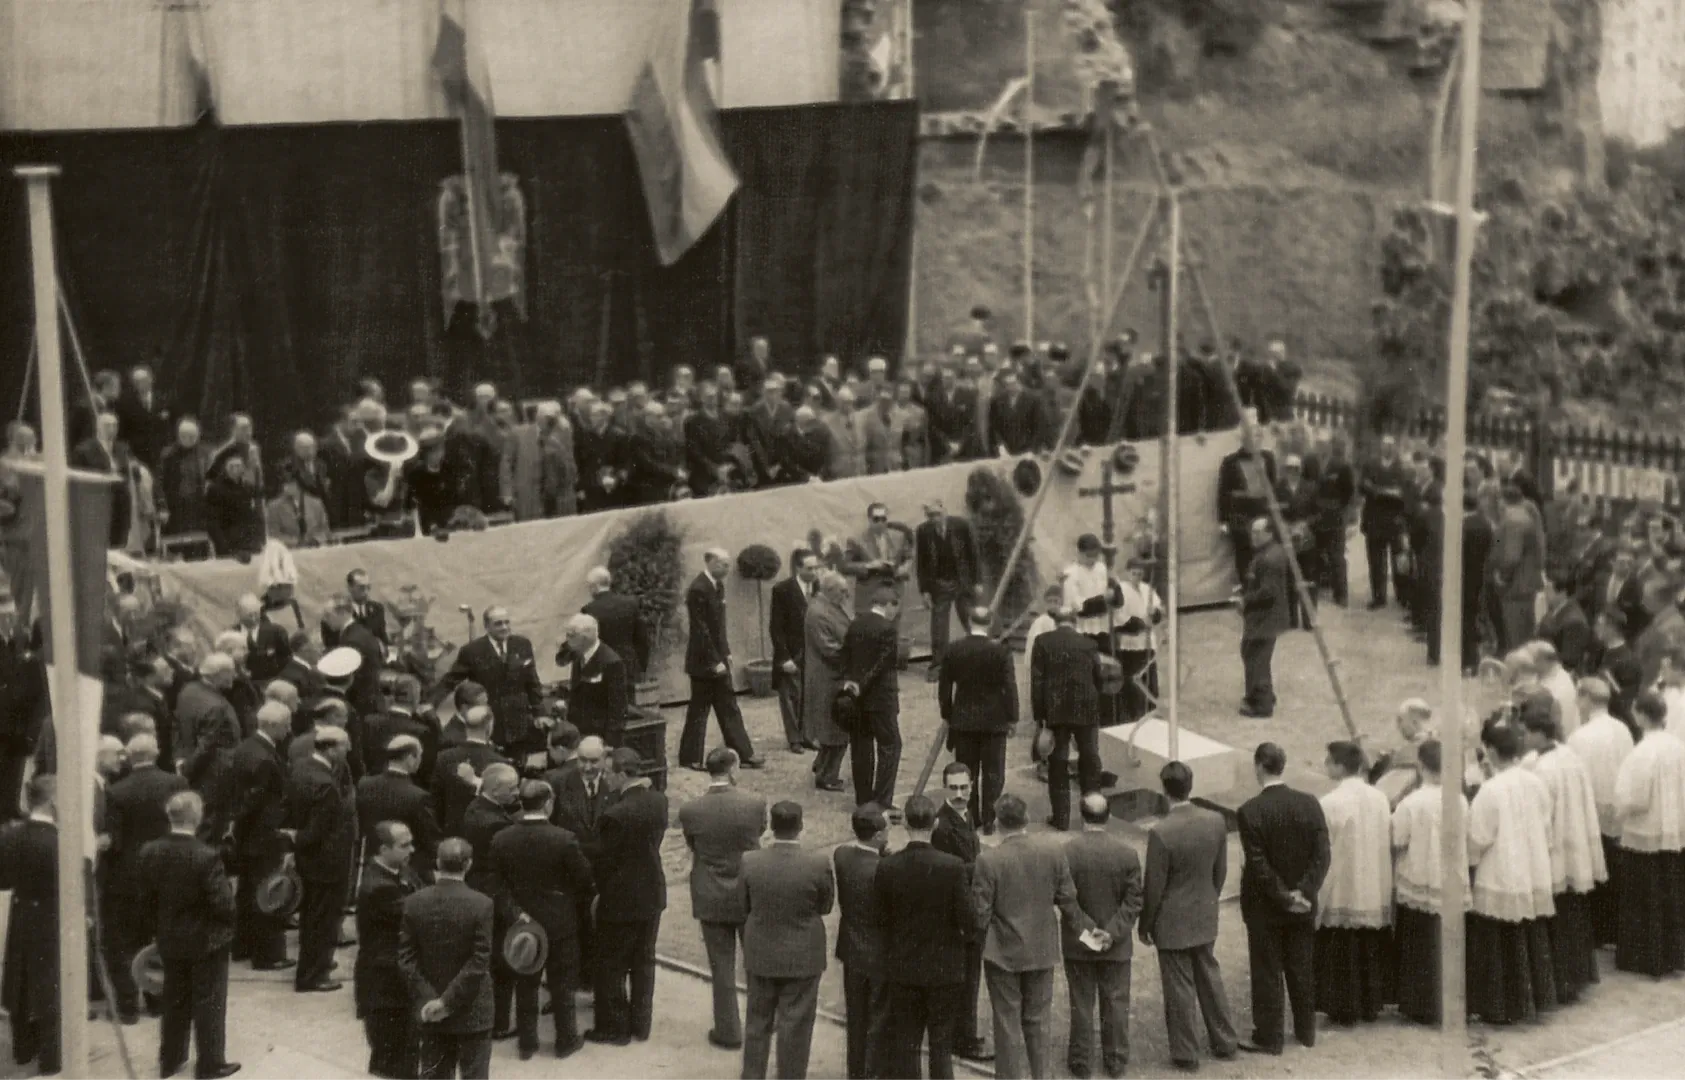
{"x": 268, "y": 269}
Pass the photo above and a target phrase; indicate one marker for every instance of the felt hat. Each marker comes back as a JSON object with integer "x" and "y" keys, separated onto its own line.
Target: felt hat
{"x": 340, "y": 663}
{"x": 1042, "y": 746}
{"x": 147, "y": 970}
{"x": 526, "y": 947}
{"x": 1026, "y": 477}
{"x": 279, "y": 893}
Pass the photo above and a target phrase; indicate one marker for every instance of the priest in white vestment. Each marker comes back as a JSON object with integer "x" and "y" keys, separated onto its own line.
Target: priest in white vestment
{"x": 1602, "y": 743}
{"x": 1418, "y": 877}
{"x": 1136, "y": 621}
{"x": 1509, "y": 976}
{"x": 1354, "y": 907}
{"x": 1091, "y": 591}
{"x": 1650, "y": 797}
{"x": 1560, "y": 685}
{"x": 1577, "y": 865}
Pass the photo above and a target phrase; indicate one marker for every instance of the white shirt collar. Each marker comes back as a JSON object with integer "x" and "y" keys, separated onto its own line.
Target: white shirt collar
{"x": 45, "y": 819}
{"x": 589, "y": 653}
{"x": 880, "y": 612}
{"x": 1278, "y": 782}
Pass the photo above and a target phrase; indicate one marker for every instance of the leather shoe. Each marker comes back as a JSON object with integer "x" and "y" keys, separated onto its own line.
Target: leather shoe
{"x": 977, "y": 1051}
{"x": 724, "y": 1044}
{"x": 227, "y": 1068}
{"x": 756, "y": 762}
{"x": 570, "y": 1049}
{"x": 167, "y": 1071}
{"x": 1186, "y": 1066}
{"x": 697, "y": 767}
{"x": 279, "y": 965}
{"x": 1252, "y": 714}
{"x": 604, "y": 1037}
{"x": 526, "y": 1053}
{"x": 830, "y": 785}
{"x": 325, "y": 986}
{"x": 1254, "y": 1048}
{"x": 797, "y": 748}
{"x": 809, "y": 744}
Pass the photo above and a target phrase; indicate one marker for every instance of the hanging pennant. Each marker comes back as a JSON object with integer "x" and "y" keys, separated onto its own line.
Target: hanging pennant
{"x": 506, "y": 277}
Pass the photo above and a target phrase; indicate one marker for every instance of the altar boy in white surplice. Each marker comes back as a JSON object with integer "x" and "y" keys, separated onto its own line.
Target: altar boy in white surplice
{"x": 1603, "y": 742}
{"x": 1650, "y": 795}
{"x": 1577, "y": 865}
{"x": 1417, "y": 879}
{"x": 1354, "y": 908}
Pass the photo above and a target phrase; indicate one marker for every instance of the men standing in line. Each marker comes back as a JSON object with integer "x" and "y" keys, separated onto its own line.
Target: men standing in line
{"x": 444, "y": 951}
{"x": 708, "y": 664}
{"x": 631, "y": 895}
{"x": 955, "y": 835}
{"x": 185, "y": 890}
{"x": 719, "y": 827}
{"x": 544, "y": 875}
{"x": 1019, "y": 890}
{"x": 860, "y": 942}
{"x": 946, "y": 558}
{"x": 135, "y": 815}
{"x": 1107, "y": 875}
{"x": 260, "y": 836}
{"x": 1353, "y": 946}
{"x": 925, "y": 913}
{"x": 324, "y": 817}
{"x": 1187, "y": 862}
{"x": 978, "y": 696}
{"x": 786, "y": 893}
{"x": 1065, "y": 696}
{"x": 1285, "y": 838}
{"x": 383, "y": 1001}
{"x": 787, "y": 629}
{"x": 1266, "y": 611}
{"x": 870, "y": 651}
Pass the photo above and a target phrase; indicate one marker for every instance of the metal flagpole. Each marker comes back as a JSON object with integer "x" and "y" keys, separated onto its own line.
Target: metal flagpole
{"x": 1454, "y": 870}
{"x": 1029, "y": 173}
{"x": 1171, "y": 690}
{"x": 75, "y": 789}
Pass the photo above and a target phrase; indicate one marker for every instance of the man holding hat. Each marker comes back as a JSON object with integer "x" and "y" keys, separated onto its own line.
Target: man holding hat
{"x": 134, "y": 817}
{"x": 323, "y": 812}
{"x": 260, "y": 842}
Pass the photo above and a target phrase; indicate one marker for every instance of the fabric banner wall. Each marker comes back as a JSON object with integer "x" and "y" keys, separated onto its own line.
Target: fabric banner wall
{"x": 537, "y": 569}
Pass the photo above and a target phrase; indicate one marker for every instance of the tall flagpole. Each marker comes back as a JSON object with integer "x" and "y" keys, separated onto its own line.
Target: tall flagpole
{"x": 1454, "y": 871}
{"x": 1029, "y": 173}
{"x": 76, "y": 777}
{"x": 911, "y": 347}
{"x": 1170, "y": 682}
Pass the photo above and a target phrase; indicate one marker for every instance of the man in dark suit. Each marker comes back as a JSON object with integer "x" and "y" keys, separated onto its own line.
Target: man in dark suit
{"x": 870, "y": 652}
{"x": 708, "y": 664}
{"x": 363, "y": 691}
{"x": 1335, "y": 487}
{"x": 1478, "y": 539}
{"x": 582, "y": 794}
{"x": 786, "y": 893}
{"x": 450, "y": 791}
{"x": 101, "y": 452}
{"x": 490, "y": 812}
{"x": 631, "y": 895}
{"x": 978, "y": 697}
{"x": 366, "y": 611}
{"x": 1285, "y": 838}
{"x": 143, "y": 419}
{"x": 599, "y": 688}
{"x": 787, "y": 626}
{"x": 1565, "y": 625}
{"x": 1107, "y": 875}
{"x": 207, "y": 731}
{"x": 1382, "y": 521}
{"x": 719, "y": 827}
{"x": 925, "y": 916}
{"x": 956, "y": 836}
{"x": 502, "y": 662}
{"x": 145, "y": 692}
{"x": 186, "y": 893}
{"x": 393, "y": 795}
{"x": 860, "y": 942}
{"x": 945, "y": 553}
{"x": 1244, "y": 481}
{"x": 300, "y": 668}
{"x": 1619, "y": 667}
{"x": 444, "y": 951}
{"x": 267, "y": 646}
{"x": 1187, "y": 862}
{"x": 260, "y": 840}
{"x": 1014, "y": 417}
{"x": 1266, "y": 611}
{"x": 400, "y": 718}
{"x": 134, "y": 817}
{"x": 383, "y": 998}
{"x": 620, "y": 622}
{"x": 323, "y": 812}
{"x": 1065, "y": 696}
{"x": 545, "y": 877}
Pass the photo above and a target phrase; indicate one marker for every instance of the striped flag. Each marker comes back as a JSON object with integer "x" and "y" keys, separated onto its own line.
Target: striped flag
{"x": 1444, "y": 158}
{"x": 675, "y": 133}
{"x": 466, "y": 80}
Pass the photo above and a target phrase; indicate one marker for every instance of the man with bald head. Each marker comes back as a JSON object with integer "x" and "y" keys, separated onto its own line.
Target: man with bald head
{"x": 207, "y": 731}
{"x": 393, "y": 795}
{"x": 451, "y": 790}
{"x": 599, "y": 690}
{"x": 491, "y": 811}
{"x": 260, "y": 843}
{"x": 321, "y": 808}
{"x": 134, "y": 817}
{"x": 620, "y": 622}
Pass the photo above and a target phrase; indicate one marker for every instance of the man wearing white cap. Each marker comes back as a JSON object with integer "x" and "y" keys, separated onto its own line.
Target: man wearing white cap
{"x": 364, "y": 692}
{"x": 338, "y": 669}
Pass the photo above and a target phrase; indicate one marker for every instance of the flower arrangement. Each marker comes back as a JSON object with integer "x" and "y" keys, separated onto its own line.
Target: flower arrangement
{"x": 647, "y": 561}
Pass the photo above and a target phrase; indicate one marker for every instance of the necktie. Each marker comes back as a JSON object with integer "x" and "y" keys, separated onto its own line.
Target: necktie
{"x": 298, "y": 511}
{"x": 498, "y": 646}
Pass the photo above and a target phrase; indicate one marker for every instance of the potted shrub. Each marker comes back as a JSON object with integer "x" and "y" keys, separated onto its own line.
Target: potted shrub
{"x": 759, "y": 564}
{"x": 647, "y": 561}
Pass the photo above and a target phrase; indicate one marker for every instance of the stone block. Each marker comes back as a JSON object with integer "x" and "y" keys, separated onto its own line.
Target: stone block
{"x": 1217, "y": 767}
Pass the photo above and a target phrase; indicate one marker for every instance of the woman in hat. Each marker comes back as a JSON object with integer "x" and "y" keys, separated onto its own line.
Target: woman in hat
{"x": 233, "y": 506}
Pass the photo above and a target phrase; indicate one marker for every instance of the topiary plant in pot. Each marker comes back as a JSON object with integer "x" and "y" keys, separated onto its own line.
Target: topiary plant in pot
{"x": 646, "y": 559}
{"x": 759, "y": 564}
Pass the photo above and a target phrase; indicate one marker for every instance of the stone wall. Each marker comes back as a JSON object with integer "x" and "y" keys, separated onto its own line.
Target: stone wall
{"x": 1642, "y": 81}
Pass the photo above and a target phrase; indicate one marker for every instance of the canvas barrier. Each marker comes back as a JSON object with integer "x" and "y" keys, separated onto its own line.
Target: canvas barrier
{"x": 537, "y": 569}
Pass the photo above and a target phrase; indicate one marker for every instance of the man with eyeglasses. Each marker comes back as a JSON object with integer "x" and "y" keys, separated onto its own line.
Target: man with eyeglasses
{"x": 879, "y": 556}
{"x": 955, "y": 836}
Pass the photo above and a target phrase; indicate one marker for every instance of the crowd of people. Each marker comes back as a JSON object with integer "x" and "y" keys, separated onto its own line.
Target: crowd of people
{"x": 753, "y": 424}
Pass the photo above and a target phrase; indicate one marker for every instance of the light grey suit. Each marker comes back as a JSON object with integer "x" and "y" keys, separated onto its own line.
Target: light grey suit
{"x": 1107, "y": 875}
{"x": 719, "y": 827}
{"x": 787, "y": 892}
{"x": 1187, "y": 860}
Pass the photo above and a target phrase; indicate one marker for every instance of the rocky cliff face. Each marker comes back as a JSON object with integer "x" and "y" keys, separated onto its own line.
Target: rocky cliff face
{"x": 1641, "y": 81}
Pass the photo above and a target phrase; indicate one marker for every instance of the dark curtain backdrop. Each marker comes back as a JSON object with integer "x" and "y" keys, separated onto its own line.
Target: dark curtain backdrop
{"x": 268, "y": 269}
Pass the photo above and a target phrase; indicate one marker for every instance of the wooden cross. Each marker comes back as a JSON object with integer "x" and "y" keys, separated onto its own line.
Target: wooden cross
{"x": 1107, "y": 489}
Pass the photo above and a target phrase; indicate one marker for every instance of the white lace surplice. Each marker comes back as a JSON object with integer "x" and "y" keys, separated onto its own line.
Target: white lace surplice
{"x": 1576, "y": 863}
{"x": 1417, "y": 873}
{"x": 1358, "y": 889}
{"x": 1602, "y": 743}
{"x": 1650, "y": 795}
{"x": 1509, "y": 847}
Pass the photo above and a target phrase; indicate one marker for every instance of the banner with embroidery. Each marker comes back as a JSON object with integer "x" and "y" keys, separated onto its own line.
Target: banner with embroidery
{"x": 506, "y": 276}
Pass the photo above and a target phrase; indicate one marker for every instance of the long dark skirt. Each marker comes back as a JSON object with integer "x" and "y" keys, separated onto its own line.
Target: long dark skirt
{"x": 1603, "y": 904}
{"x": 1416, "y": 942}
{"x": 1572, "y": 949}
{"x": 1510, "y": 973}
{"x": 1353, "y": 973}
{"x": 1649, "y": 940}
